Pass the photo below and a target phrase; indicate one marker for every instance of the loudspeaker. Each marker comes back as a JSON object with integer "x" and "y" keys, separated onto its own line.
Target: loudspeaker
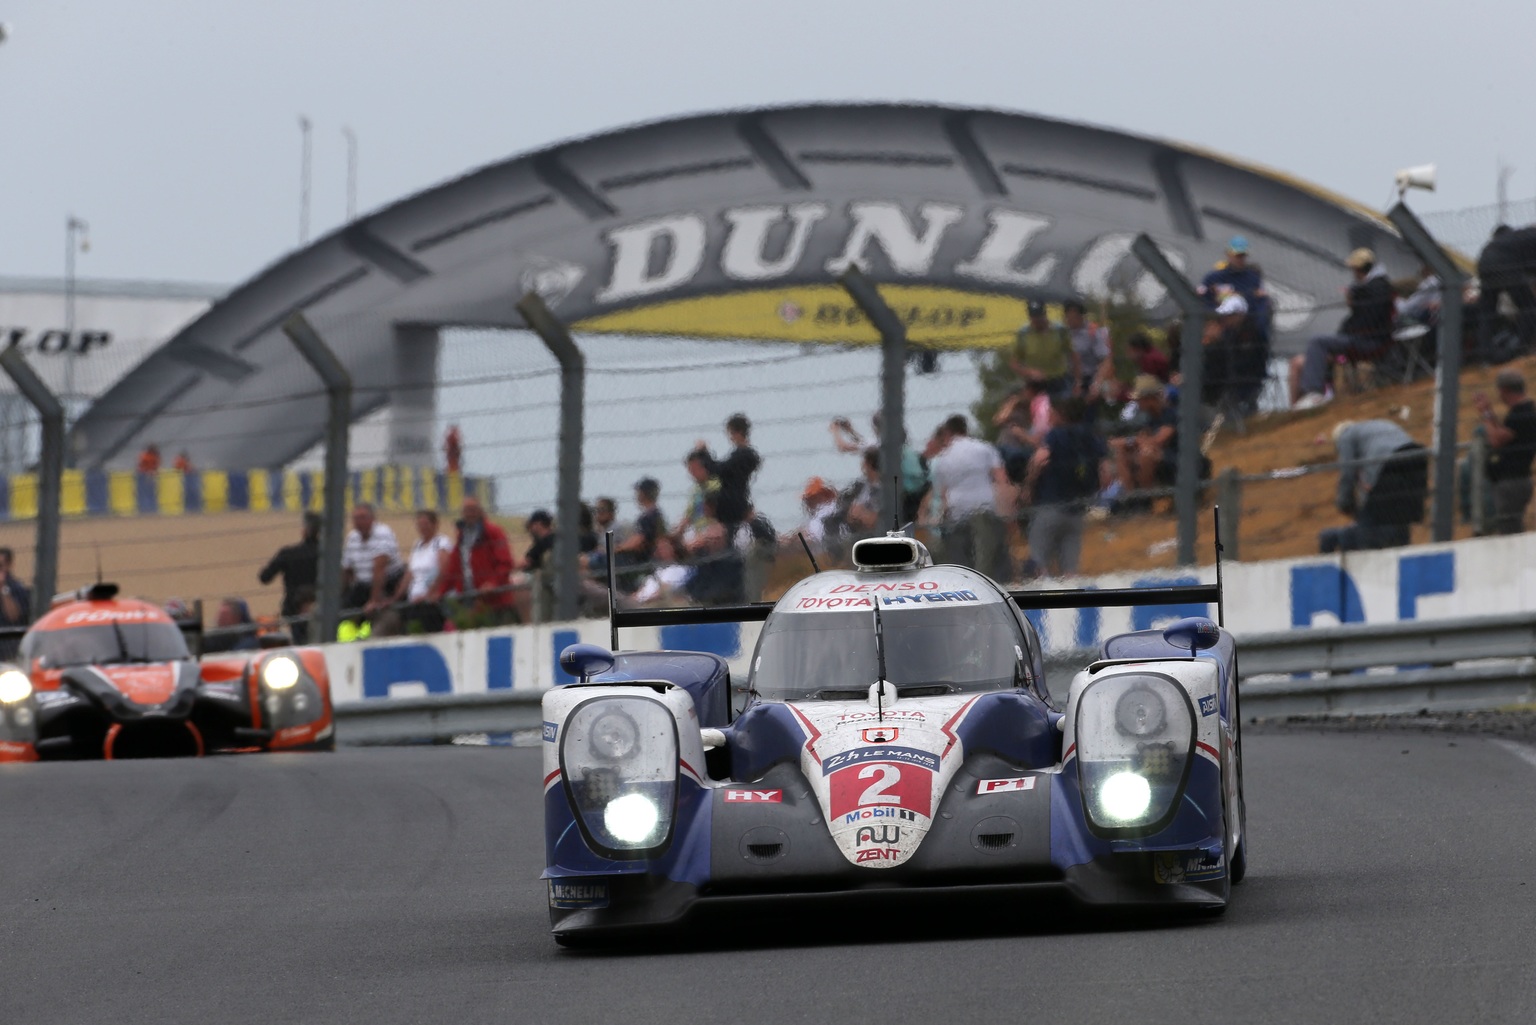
{"x": 1421, "y": 177}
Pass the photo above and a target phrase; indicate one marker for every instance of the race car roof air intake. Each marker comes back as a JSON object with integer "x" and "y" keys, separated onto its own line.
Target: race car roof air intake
{"x": 885, "y": 554}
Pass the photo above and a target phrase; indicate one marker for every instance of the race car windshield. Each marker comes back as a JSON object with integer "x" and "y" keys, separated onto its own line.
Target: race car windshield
{"x": 106, "y": 644}
{"x": 830, "y": 656}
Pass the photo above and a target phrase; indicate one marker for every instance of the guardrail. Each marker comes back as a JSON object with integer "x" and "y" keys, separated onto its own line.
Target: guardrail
{"x": 1435, "y": 665}
{"x": 436, "y": 716}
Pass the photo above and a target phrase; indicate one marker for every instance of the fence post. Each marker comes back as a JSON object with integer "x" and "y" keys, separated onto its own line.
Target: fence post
{"x": 1186, "y": 493}
{"x": 573, "y": 377}
{"x": 1229, "y": 495}
{"x": 50, "y": 474}
{"x": 338, "y": 390}
{"x": 1447, "y": 366}
{"x": 1477, "y": 465}
{"x": 893, "y": 384}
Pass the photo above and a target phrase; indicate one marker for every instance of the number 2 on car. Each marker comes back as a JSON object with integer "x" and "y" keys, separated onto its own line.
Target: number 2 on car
{"x": 881, "y": 784}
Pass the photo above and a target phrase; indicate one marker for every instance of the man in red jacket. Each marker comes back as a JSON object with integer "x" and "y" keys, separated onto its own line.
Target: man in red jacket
{"x": 482, "y": 557}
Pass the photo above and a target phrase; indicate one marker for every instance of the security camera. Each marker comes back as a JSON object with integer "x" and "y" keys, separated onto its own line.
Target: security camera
{"x": 1420, "y": 177}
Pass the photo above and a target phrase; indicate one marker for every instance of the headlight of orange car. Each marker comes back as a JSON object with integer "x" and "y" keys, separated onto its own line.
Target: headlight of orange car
{"x": 14, "y": 687}
{"x": 280, "y": 672}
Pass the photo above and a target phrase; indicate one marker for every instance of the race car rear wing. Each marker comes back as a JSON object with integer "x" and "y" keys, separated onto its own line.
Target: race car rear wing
{"x": 1028, "y": 600}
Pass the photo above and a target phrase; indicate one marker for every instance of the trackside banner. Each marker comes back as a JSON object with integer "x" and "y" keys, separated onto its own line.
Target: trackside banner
{"x": 1467, "y": 578}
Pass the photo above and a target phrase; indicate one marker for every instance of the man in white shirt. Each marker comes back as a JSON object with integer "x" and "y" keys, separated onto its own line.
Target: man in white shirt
{"x": 966, "y": 474}
{"x": 370, "y": 561}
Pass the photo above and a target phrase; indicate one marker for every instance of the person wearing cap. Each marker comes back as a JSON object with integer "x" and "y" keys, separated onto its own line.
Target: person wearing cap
{"x": 1236, "y": 274}
{"x": 481, "y": 561}
{"x": 541, "y": 528}
{"x": 819, "y": 500}
{"x": 1236, "y": 357}
{"x": 1365, "y": 331}
{"x": 1149, "y": 458}
{"x": 1511, "y": 445}
{"x": 1383, "y": 481}
{"x": 1043, "y": 352}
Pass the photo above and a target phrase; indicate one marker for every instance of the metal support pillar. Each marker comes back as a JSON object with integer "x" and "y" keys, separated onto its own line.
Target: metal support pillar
{"x": 50, "y": 474}
{"x": 333, "y": 530}
{"x": 1447, "y": 367}
{"x": 1229, "y": 495}
{"x": 1477, "y": 457}
{"x": 893, "y": 385}
{"x": 413, "y": 396}
{"x": 1186, "y": 494}
{"x": 573, "y": 378}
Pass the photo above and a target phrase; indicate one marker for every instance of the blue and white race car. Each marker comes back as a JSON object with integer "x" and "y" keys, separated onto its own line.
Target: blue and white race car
{"x": 896, "y": 730}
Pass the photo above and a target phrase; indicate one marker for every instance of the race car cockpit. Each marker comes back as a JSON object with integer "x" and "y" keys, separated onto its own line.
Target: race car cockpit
{"x": 929, "y": 650}
{"x": 108, "y": 643}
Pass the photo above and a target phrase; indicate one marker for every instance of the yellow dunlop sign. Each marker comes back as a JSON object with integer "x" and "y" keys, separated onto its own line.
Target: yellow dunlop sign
{"x": 937, "y": 317}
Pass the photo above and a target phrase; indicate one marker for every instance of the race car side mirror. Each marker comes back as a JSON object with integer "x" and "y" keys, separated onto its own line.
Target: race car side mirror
{"x": 585, "y": 661}
{"x": 1193, "y": 633}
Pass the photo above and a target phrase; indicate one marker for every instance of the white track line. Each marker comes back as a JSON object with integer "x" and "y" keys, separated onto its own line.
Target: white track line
{"x": 1524, "y": 752}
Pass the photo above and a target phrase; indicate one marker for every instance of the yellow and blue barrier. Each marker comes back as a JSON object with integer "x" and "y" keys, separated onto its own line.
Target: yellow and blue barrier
{"x": 173, "y": 493}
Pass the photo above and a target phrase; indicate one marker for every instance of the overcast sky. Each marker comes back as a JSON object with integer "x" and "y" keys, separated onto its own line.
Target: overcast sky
{"x": 172, "y": 125}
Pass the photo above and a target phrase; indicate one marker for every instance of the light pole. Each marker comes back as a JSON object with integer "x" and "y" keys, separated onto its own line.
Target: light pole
{"x": 76, "y": 239}
{"x": 351, "y": 138}
{"x": 304, "y": 165}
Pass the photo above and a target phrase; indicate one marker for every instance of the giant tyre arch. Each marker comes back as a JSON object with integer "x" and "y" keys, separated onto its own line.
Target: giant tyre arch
{"x": 732, "y": 225}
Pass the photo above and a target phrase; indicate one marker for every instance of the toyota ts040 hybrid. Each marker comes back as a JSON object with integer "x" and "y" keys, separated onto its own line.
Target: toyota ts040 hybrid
{"x": 897, "y": 731}
{"x": 108, "y": 677}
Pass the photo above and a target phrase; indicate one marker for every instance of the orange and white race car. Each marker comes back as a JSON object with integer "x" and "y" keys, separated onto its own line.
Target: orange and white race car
{"x": 108, "y": 677}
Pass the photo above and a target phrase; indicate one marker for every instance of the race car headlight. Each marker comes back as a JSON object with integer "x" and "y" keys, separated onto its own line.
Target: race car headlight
{"x": 14, "y": 687}
{"x": 614, "y": 735}
{"x": 1140, "y": 712}
{"x": 280, "y": 672}
{"x": 631, "y": 818}
{"x": 618, "y": 756}
{"x": 1125, "y": 796}
{"x": 1135, "y": 736}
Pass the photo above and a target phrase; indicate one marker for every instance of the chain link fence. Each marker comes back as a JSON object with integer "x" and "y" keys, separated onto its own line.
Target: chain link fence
{"x": 652, "y": 399}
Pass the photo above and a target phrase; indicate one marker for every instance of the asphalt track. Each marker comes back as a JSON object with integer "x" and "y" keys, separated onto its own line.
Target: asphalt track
{"x": 1391, "y": 879}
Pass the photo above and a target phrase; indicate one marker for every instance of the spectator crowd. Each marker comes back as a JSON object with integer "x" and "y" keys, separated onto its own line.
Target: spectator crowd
{"x": 1085, "y": 425}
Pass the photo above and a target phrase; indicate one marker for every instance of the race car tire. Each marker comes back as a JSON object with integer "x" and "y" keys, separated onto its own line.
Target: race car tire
{"x": 1239, "y": 866}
